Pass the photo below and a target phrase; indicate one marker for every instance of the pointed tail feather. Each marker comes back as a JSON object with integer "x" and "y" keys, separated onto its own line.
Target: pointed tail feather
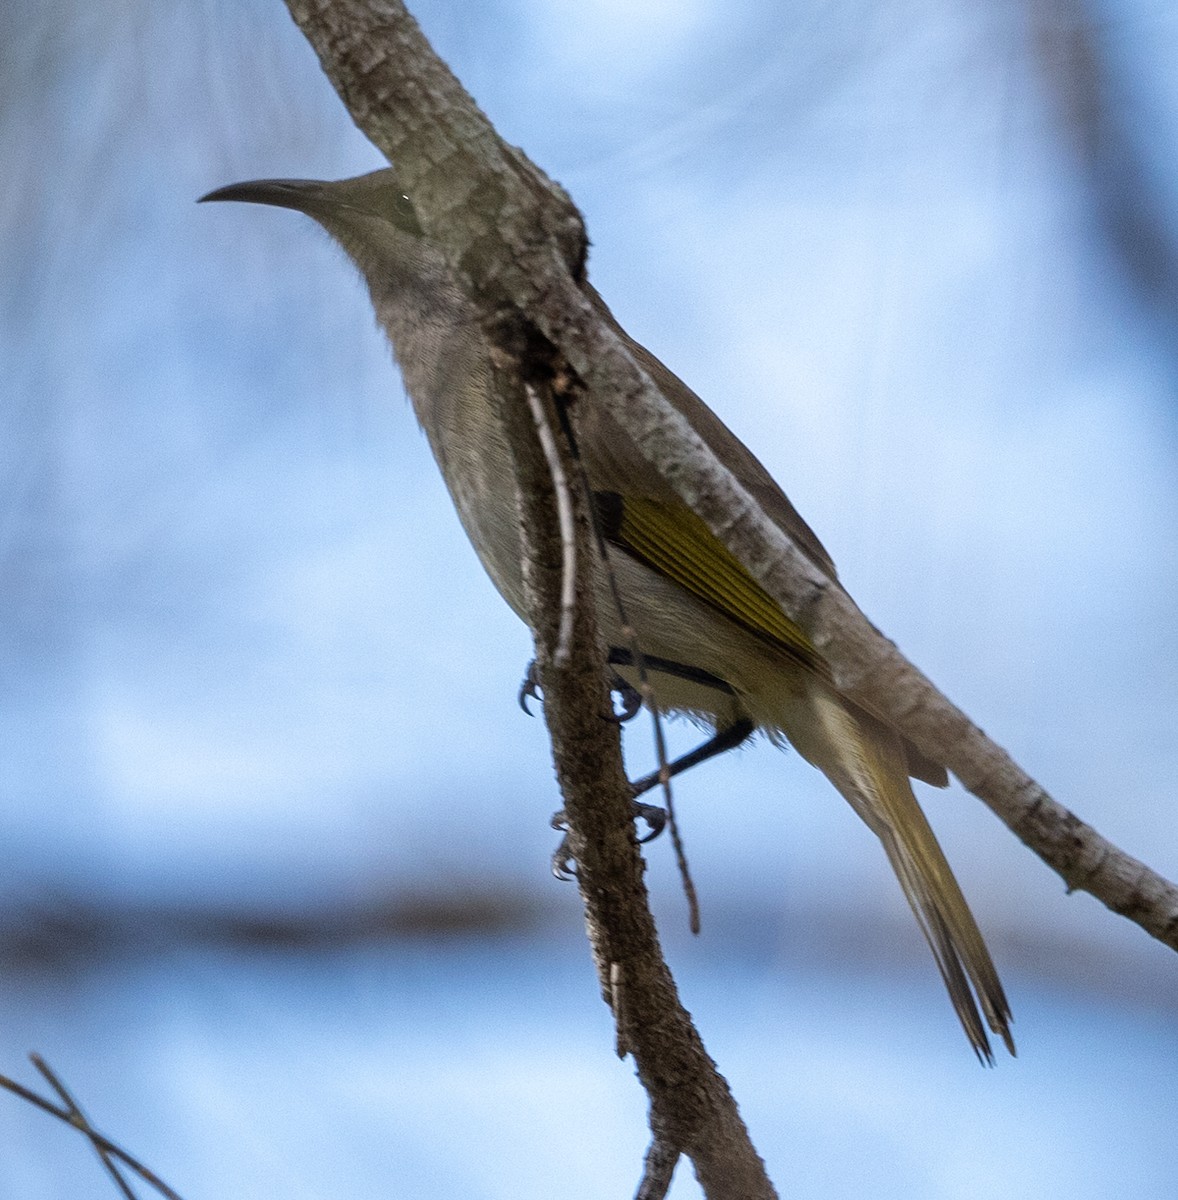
{"x": 865, "y": 761}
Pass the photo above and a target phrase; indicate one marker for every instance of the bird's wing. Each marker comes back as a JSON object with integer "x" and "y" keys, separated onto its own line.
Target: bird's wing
{"x": 649, "y": 521}
{"x": 672, "y": 540}
{"x": 727, "y": 447}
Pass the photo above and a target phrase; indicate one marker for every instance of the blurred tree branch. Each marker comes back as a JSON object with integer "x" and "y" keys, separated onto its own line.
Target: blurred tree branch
{"x": 1075, "y": 58}
{"x": 691, "y": 1108}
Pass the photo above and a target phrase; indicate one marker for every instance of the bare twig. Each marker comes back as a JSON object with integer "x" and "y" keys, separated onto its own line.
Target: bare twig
{"x": 568, "y": 541}
{"x": 79, "y": 1120}
{"x": 73, "y": 1116}
{"x": 681, "y": 866}
{"x": 645, "y": 689}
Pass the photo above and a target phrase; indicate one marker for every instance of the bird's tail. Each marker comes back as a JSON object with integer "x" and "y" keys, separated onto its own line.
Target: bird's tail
{"x": 865, "y": 760}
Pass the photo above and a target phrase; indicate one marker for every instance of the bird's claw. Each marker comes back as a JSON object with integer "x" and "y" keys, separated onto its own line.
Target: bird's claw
{"x": 655, "y": 818}
{"x": 629, "y": 698}
{"x": 564, "y": 863}
{"x": 529, "y": 689}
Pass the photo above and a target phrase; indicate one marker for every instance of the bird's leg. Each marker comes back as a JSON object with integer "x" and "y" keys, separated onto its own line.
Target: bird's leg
{"x": 563, "y": 863}
{"x": 724, "y": 739}
{"x": 727, "y": 738}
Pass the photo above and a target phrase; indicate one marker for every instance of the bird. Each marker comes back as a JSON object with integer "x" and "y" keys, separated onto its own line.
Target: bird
{"x": 713, "y": 644}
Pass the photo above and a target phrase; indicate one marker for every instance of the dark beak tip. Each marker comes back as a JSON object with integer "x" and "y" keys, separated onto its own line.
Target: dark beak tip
{"x": 221, "y": 193}
{"x": 281, "y": 193}
{"x": 232, "y": 191}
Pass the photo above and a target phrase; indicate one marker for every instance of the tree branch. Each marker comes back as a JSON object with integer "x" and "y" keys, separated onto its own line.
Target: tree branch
{"x": 516, "y": 239}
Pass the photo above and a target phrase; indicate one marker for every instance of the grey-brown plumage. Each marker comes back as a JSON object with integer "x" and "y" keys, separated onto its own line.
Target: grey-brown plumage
{"x": 729, "y": 655}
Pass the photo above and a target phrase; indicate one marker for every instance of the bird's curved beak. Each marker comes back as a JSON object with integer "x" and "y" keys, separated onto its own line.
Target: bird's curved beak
{"x": 303, "y": 195}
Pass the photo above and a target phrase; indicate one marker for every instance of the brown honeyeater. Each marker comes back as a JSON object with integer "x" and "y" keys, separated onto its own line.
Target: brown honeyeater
{"x": 716, "y": 646}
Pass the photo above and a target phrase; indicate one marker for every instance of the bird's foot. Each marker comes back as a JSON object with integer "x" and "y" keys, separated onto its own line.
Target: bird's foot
{"x": 628, "y": 697}
{"x": 529, "y": 689}
{"x": 564, "y": 863}
{"x": 655, "y": 818}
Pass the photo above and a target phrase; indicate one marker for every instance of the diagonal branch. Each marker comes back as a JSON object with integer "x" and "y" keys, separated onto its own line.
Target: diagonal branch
{"x": 72, "y": 1115}
{"x": 80, "y": 1121}
{"x": 517, "y": 240}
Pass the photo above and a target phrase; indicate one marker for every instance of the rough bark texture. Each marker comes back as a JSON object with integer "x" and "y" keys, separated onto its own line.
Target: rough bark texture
{"x": 519, "y": 242}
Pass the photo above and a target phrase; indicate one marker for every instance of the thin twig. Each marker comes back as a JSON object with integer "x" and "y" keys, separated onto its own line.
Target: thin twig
{"x": 80, "y": 1121}
{"x": 97, "y": 1139}
{"x": 676, "y": 838}
{"x": 691, "y": 1105}
{"x": 645, "y": 687}
{"x": 568, "y": 538}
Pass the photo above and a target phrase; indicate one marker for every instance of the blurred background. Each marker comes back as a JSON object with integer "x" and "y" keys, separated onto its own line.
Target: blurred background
{"x": 275, "y": 896}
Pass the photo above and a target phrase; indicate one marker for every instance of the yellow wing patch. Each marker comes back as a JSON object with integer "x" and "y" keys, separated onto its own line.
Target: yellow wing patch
{"x": 675, "y": 542}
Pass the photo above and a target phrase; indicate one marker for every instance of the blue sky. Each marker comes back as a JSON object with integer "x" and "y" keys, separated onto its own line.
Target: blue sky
{"x": 250, "y": 660}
